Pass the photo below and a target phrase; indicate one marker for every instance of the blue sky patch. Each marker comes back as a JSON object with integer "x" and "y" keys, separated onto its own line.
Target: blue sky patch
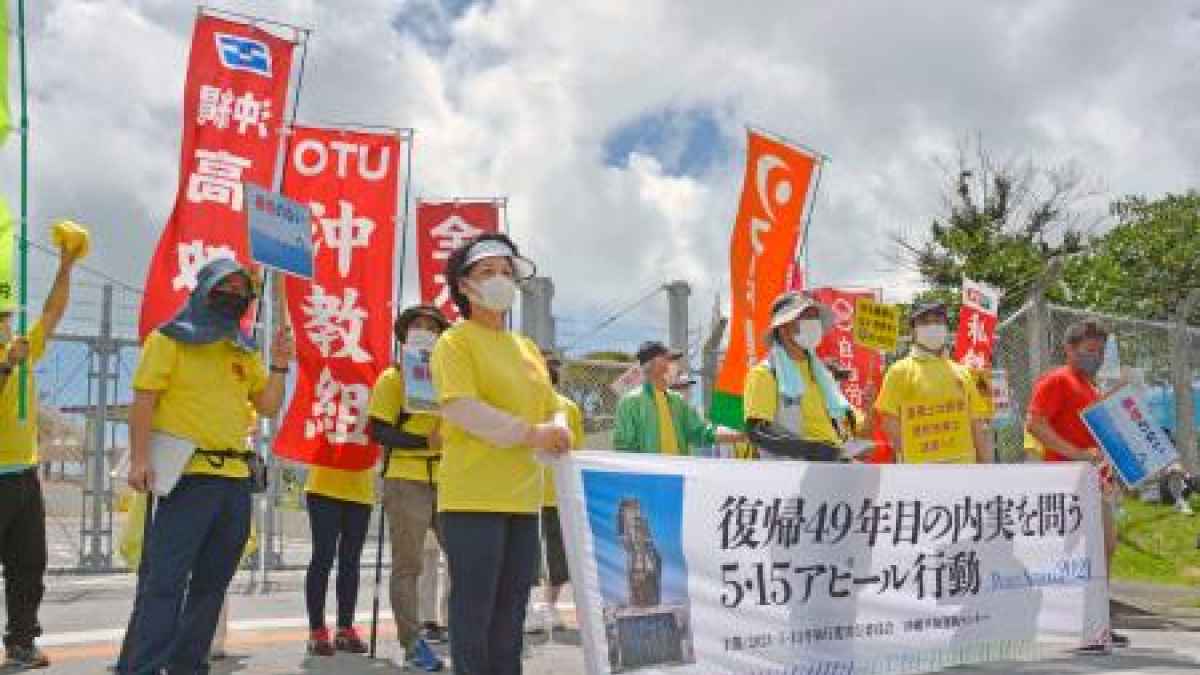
{"x": 686, "y": 142}
{"x": 430, "y": 22}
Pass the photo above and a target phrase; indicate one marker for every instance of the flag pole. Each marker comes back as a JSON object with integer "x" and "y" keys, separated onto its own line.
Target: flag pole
{"x": 380, "y": 533}
{"x": 812, "y": 205}
{"x": 23, "y": 316}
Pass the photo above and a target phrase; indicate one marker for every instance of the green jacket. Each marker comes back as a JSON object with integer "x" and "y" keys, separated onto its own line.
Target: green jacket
{"x": 636, "y": 427}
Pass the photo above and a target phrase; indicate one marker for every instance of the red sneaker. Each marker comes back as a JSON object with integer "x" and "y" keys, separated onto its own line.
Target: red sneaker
{"x": 319, "y": 644}
{"x": 347, "y": 640}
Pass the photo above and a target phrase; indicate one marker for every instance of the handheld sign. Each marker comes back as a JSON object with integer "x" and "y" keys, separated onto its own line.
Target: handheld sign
{"x": 876, "y": 325}
{"x": 280, "y": 232}
{"x": 418, "y": 381}
{"x": 1135, "y": 445}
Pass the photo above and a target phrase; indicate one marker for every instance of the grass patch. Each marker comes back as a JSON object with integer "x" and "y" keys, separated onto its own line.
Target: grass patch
{"x": 1157, "y": 544}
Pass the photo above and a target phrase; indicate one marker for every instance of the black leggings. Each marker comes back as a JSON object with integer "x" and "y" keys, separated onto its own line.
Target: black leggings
{"x": 339, "y": 528}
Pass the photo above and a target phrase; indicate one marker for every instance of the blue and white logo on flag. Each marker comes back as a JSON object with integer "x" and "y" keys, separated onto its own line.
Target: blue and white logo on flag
{"x": 242, "y": 53}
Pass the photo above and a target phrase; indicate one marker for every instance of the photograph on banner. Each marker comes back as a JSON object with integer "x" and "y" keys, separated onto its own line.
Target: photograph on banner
{"x": 689, "y": 565}
{"x": 876, "y": 325}
{"x": 419, "y": 395}
{"x": 1136, "y": 446}
{"x": 636, "y": 522}
{"x": 280, "y": 232}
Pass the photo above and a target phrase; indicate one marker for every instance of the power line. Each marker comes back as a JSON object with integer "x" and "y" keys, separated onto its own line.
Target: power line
{"x": 613, "y": 318}
{"x": 53, "y": 253}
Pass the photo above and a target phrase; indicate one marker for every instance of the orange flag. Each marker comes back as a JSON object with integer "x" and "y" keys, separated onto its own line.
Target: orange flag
{"x": 776, "y": 193}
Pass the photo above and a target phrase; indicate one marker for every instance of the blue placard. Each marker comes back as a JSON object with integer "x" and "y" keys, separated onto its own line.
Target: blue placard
{"x": 1135, "y": 444}
{"x": 419, "y": 395}
{"x": 280, "y": 232}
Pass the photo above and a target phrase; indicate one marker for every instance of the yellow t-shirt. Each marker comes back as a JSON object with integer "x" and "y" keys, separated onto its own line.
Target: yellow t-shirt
{"x": 18, "y": 440}
{"x": 351, "y": 486}
{"x": 667, "y": 443}
{"x": 936, "y": 401}
{"x": 575, "y": 422}
{"x": 505, "y": 371}
{"x": 387, "y": 402}
{"x": 761, "y": 401}
{"x": 203, "y": 393}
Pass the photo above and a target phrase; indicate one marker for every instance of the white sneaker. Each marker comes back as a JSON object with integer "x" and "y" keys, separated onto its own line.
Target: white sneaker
{"x": 537, "y": 618}
{"x": 1184, "y": 507}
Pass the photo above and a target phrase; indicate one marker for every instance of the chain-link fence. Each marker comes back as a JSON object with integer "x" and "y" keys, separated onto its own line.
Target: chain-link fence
{"x": 590, "y": 384}
{"x": 1031, "y": 342}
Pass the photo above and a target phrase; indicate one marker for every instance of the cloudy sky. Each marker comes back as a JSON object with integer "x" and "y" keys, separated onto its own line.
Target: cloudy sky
{"x": 616, "y": 127}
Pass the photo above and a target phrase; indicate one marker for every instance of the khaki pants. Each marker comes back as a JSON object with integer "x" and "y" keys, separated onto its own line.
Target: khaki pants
{"x": 434, "y": 585}
{"x": 410, "y": 507}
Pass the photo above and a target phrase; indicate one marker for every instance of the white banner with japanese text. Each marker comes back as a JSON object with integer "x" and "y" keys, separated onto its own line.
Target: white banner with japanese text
{"x": 691, "y": 565}
{"x": 343, "y": 317}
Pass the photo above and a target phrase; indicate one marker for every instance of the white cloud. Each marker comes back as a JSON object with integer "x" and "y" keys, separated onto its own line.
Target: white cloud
{"x": 519, "y": 96}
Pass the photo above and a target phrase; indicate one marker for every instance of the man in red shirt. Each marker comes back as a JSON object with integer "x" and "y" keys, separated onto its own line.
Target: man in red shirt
{"x": 1054, "y": 420}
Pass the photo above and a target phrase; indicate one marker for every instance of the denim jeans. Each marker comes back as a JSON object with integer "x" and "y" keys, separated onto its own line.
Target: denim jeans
{"x": 195, "y": 542}
{"x": 493, "y": 559}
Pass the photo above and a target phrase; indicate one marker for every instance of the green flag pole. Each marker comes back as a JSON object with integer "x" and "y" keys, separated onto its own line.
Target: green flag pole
{"x": 23, "y": 317}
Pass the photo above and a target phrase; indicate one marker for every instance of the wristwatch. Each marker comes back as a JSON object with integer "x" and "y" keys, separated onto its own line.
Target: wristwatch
{"x": 282, "y": 370}
{"x": 6, "y": 370}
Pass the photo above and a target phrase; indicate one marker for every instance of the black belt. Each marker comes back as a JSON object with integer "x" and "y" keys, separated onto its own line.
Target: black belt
{"x": 216, "y": 458}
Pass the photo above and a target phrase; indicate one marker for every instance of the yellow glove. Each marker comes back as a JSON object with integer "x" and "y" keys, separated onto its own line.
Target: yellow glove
{"x": 71, "y": 237}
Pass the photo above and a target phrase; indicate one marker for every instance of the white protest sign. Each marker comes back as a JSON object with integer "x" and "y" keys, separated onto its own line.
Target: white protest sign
{"x": 1130, "y": 436}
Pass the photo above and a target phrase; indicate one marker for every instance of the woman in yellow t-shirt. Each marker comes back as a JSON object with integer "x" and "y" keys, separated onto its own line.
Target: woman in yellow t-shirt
{"x": 498, "y": 407}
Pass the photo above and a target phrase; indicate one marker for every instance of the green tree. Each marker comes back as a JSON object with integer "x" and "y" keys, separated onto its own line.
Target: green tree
{"x": 1146, "y": 264}
{"x": 999, "y": 224}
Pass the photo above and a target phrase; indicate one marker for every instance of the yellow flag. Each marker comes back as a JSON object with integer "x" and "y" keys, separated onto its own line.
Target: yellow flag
{"x": 5, "y": 118}
{"x": 8, "y": 290}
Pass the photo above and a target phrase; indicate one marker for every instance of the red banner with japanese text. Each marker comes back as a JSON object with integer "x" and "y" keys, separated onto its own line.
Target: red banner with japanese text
{"x": 977, "y": 325}
{"x": 342, "y": 319}
{"x": 776, "y": 193}
{"x": 441, "y": 228}
{"x": 865, "y": 365}
{"x": 234, "y": 98}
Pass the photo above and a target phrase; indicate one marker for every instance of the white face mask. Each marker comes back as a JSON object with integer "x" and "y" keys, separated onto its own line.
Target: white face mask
{"x": 808, "y": 333}
{"x": 497, "y": 293}
{"x": 420, "y": 339}
{"x": 931, "y": 336}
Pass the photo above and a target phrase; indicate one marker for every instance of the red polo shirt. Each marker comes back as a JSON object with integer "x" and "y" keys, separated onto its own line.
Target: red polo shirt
{"x": 1060, "y": 396}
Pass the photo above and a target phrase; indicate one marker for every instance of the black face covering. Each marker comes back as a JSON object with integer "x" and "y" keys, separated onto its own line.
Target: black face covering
{"x": 230, "y": 306}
